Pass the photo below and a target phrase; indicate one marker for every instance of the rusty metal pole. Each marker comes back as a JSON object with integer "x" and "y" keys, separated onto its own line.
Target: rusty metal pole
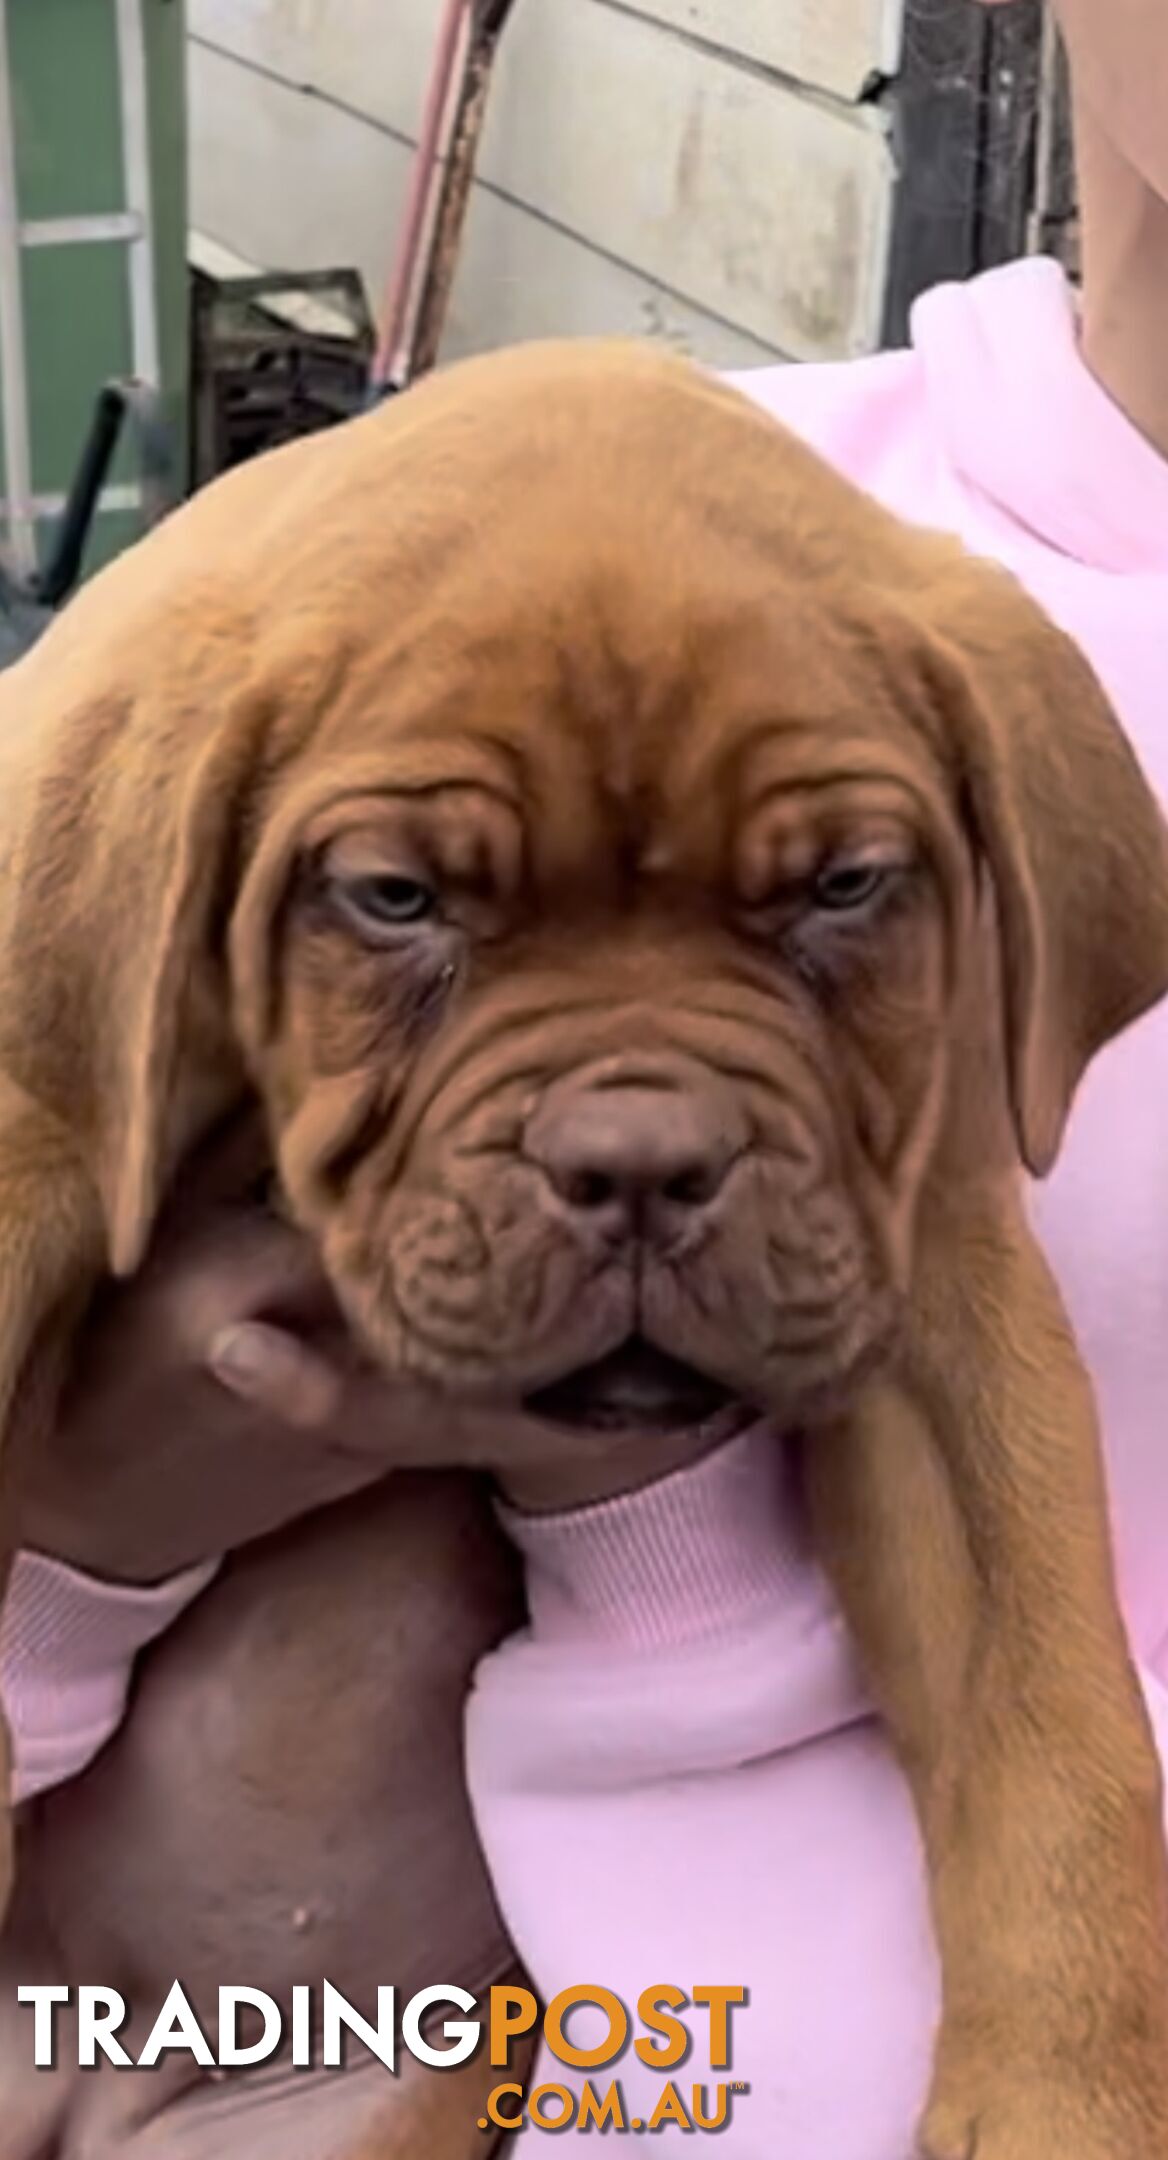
{"x": 488, "y": 20}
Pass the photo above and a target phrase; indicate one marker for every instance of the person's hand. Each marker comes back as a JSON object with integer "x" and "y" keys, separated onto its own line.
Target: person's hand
{"x": 213, "y": 1398}
{"x": 219, "y": 1395}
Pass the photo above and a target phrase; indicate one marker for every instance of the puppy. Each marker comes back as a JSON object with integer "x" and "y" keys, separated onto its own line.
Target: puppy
{"x": 660, "y": 905}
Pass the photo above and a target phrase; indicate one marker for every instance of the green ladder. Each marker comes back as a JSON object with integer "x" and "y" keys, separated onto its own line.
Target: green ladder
{"x": 93, "y": 281}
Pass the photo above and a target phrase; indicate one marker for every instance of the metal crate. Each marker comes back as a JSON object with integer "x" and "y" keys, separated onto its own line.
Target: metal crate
{"x": 273, "y": 357}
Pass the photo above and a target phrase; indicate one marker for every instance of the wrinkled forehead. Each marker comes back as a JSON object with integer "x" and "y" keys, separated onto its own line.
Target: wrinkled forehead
{"x": 624, "y": 705}
{"x": 606, "y": 588}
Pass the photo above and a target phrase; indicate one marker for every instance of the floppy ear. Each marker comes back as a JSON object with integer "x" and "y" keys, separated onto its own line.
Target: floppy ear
{"x": 120, "y": 814}
{"x": 127, "y": 749}
{"x": 112, "y": 838}
{"x": 1073, "y": 837}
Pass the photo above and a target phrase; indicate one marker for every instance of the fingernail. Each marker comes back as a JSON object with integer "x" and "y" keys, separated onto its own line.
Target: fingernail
{"x": 237, "y": 1357}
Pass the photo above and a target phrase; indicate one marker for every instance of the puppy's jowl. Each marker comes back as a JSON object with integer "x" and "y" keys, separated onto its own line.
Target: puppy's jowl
{"x": 659, "y": 926}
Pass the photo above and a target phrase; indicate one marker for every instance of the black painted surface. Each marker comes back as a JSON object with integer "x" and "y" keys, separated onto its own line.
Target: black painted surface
{"x": 965, "y": 109}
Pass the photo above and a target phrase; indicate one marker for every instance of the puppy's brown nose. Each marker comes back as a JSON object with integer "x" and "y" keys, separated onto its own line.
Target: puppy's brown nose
{"x": 630, "y": 1157}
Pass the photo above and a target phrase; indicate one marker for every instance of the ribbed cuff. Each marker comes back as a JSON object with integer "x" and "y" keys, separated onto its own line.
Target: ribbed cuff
{"x": 67, "y": 1648}
{"x": 707, "y": 1551}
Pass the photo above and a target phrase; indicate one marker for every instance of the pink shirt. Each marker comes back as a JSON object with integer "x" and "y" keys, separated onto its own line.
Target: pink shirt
{"x": 674, "y": 1772}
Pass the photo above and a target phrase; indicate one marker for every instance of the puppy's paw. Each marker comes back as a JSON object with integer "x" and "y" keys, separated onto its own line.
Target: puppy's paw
{"x": 947, "y": 2133}
{"x": 1040, "y": 2118}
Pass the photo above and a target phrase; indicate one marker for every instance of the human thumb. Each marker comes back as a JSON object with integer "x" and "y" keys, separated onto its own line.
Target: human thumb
{"x": 276, "y": 1373}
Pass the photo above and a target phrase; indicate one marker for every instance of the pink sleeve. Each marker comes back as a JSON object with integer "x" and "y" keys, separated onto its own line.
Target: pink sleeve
{"x": 675, "y": 1780}
{"x": 67, "y": 1648}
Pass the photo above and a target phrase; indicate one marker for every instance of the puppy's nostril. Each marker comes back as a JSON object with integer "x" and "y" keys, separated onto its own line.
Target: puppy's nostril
{"x": 691, "y": 1187}
{"x": 594, "y": 1191}
{"x": 590, "y": 1189}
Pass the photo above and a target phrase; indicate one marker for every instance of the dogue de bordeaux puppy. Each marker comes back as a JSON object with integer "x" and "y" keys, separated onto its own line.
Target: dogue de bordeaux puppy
{"x": 661, "y": 905}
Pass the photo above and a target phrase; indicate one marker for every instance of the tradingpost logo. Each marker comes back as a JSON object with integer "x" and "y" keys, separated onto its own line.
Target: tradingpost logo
{"x": 317, "y": 2025}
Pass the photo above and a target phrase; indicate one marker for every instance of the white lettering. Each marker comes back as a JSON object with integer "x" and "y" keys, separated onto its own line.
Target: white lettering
{"x": 176, "y": 2026}
{"x": 464, "y": 2032}
{"x": 101, "y": 2012}
{"x": 302, "y": 2028}
{"x": 233, "y": 2056}
{"x": 44, "y": 2001}
{"x": 338, "y": 2013}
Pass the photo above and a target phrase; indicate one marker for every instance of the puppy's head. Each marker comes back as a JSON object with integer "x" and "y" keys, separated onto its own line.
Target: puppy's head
{"x": 628, "y": 864}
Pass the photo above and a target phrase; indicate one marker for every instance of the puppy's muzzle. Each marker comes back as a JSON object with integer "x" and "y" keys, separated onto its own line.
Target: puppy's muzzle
{"x": 634, "y": 1157}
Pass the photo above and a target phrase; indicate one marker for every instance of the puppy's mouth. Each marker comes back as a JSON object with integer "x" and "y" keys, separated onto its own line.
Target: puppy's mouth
{"x": 635, "y": 1388}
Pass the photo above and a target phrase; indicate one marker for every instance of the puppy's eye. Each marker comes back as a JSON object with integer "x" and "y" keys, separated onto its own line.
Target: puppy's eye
{"x": 385, "y": 902}
{"x": 841, "y": 888}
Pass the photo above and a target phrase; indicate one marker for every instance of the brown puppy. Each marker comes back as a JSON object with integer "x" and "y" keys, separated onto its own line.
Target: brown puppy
{"x": 658, "y": 902}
